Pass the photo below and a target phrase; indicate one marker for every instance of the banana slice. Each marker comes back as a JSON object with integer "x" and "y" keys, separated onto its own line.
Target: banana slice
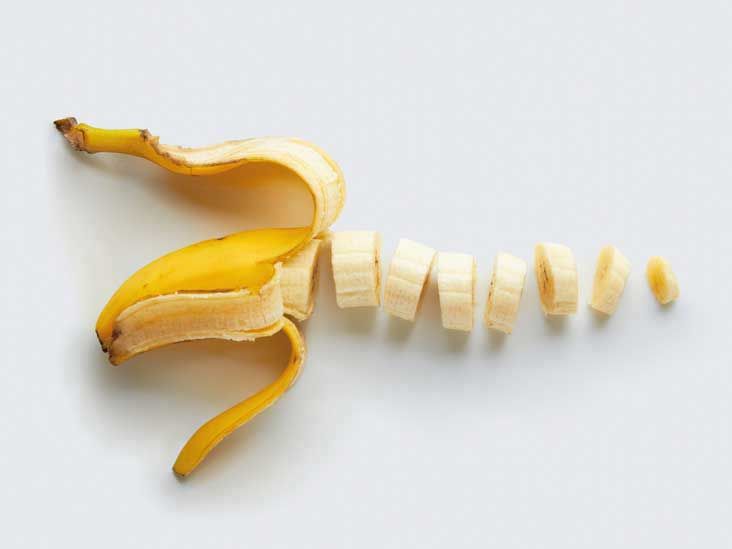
{"x": 662, "y": 280}
{"x": 556, "y": 276}
{"x": 504, "y": 294}
{"x": 298, "y": 279}
{"x": 355, "y": 256}
{"x": 611, "y": 273}
{"x": 456, "y": 288}
{"x": 405, "y": 282}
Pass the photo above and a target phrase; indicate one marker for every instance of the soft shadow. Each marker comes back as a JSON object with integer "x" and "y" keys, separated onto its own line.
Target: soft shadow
{"x": 495, "y": 341}
{"x": 555, "y": 324}
{"x": 399, "y": 330}
{"x": 667, "y": 308}
{"x": 599, "y": 320}
{"x": 457, "y": 340}
{"x": 360, "y": 320}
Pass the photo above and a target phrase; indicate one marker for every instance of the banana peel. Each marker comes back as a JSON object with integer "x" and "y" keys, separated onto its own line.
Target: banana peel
{"x": 227, "y": 288}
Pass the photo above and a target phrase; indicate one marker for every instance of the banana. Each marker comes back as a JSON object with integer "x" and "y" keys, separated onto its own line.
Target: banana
{"x": 662, "y": 280}
{"x": 298, "y": 280}
{"x": 556, "y": 276}
{"x": 456, "y": 290}
{"x": 405, "y": 281}
{"x": 228, "y": 288}
{"x": 355, "y": 256}
{"x": 504, "y": 293}
{"x": 611, "y": 272}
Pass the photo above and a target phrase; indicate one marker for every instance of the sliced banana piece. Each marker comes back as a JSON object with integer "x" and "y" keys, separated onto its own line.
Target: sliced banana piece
{"x": 611, "y": 272}
{"x": 405, "y": 282}
{"x": 356, "y": 259}
{"x": 504, "y": 293}
{"x": 456, "y": 288}
{"x": 662, "y": 280}
{"x": 299, "y": 279}
{"x": 556, "y": 276}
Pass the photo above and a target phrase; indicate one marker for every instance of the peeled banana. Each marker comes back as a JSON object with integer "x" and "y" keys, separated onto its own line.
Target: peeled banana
{"x": 356, "y": 261}
{"x": 228, "y": 288}
{"x": 456, "y": 289}
{"x": 662, "y": 280}
{"x": 556, "y": 276}
{"x": 611, "y": 272}
{"x": 298, "y": 280}
{"x": 504, "y": 293}
{"x": 407, "y": 276}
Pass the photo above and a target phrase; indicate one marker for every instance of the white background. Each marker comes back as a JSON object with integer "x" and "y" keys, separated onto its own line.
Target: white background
{"x": 472, "y": 128}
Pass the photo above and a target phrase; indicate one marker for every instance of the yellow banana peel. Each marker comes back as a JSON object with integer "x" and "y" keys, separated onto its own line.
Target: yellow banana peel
{"x": 227, "y": 288}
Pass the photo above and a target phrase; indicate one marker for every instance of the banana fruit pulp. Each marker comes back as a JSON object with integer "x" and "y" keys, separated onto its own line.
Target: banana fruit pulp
{"x": 406, "y": 279}
{"x": 356, "y": 262}
{"x": 556, "y": 276}
{"x": 611, "y": 272}
{"x": 233, "y": 288}
{"x": 504, "y": 293}
{"x": 456, "y": 289}
{"x": 299, "y": 279}
{"x": 662, "y": 280}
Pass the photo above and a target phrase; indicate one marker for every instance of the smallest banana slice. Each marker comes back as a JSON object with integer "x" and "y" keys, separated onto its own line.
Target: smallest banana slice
{"x": 504, "y": 293}
{"x": 298, "y": 279}
{"x": 611, "y": 272}
{"x": 456, "y": 288}
{"x": 355, "y": 256}
{"x": 407, "y": 276}
{"x": 662, "y": 280}
{"x": 556, "y": 276}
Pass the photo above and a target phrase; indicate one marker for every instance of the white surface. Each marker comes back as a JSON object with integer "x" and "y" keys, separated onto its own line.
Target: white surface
{"x": 469, "y": 129}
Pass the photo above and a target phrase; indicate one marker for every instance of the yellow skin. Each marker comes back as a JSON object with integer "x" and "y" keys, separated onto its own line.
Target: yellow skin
{"x": 245, "y": 261}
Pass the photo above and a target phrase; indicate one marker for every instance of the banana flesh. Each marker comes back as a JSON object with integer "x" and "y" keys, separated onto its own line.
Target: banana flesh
{"x": 556, "y": 276}
{"x": 611, "y": 273}
{"x": 456, "y": 290}
{"x": 356, "y": 261}
{"x": 406, "y": 279}
{"x": 505, "y": 291}
{"x": 228, "y": 288}
{"x": 662, "y": 280}
{"x": 299, "y": 279}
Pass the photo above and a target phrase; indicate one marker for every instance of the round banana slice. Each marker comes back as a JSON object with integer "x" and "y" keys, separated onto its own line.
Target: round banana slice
{"x": 405, "y": 282}
{"x": 556, "y": 276}
{"x": 611, "y": 272}
{"x": 504, "y": 294}
{"x": 356, "y": 259}
{"x": 456, "y": 288}
{"x": 299, "y": 279}
{"x": 662, "y": 280}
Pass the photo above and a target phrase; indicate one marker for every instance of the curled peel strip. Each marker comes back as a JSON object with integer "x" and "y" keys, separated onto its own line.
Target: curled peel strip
{"x": 228, "y": 288}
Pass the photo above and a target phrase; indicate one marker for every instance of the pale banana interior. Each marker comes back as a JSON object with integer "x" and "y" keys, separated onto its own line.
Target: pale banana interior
{"x": 299, "y": 279}
{"x": 456, "y": 288}
{"x": 611, "y": 272}
{"x": 356, "y": 262}
{"x": 504, "y": 293}
{"x": 556, "y": 277}
{"x": 407, "y": 276}
{"x": 662, "y": 280}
